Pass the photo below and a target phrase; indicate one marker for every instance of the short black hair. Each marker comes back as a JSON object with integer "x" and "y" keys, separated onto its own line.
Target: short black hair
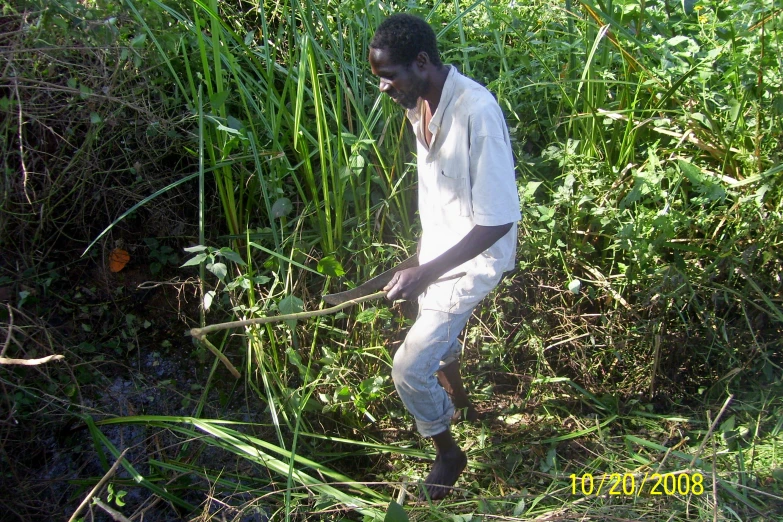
{"x": 404, "y": 36}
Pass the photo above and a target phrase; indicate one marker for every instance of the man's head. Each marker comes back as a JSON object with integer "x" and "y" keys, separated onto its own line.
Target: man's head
{"x": 404, "y": 36}
{"x": 403, "y": 54}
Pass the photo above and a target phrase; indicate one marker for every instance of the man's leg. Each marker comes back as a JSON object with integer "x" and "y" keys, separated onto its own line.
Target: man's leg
{"x": 431, "y": 339}
{"x": 449, "y": 377}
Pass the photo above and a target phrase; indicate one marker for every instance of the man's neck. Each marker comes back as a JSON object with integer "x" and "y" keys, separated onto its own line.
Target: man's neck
{"x": 432, "y": 97}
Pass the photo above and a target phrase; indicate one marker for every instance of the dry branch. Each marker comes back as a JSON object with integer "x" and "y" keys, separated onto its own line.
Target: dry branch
{"x": 31, "y": 362}
{"x": 200, "y": 333}
{"x": 98, "y": 486}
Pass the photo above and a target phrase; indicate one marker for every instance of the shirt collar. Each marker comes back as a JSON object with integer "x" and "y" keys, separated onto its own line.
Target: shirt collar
{"x": 445, "y": 96}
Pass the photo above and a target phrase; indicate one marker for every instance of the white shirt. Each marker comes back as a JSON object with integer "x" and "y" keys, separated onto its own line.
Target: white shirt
{"x": 466, "y": 178}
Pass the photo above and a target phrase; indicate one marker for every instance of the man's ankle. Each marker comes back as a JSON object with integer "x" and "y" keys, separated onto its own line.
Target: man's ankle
{"x": 445, "y": 443}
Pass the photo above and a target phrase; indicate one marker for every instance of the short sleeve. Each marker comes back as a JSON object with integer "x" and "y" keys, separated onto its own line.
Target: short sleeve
{"x": 493, "y": 187}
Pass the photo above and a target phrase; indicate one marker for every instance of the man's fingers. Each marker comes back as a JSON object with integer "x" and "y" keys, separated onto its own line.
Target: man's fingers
{"x": 390, "y": 287}
{"x": 391, "y": 283}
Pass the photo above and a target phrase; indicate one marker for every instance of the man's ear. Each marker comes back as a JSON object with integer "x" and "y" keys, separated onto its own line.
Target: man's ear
{"x": 422, "y": 59}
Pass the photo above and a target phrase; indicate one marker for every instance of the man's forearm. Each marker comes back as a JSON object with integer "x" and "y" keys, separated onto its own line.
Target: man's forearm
{"x": 409, "y": 283}
{"x": 474, "y": 243}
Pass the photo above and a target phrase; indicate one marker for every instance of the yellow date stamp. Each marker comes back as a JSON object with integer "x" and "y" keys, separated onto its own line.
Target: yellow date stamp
{"x": 629, "y": 484}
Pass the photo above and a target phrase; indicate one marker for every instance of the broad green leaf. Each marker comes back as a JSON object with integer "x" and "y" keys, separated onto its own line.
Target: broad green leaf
{"x": 372, "y": 386}
{"x": 95, "y": 118}
{"x": 282, "y": 207}
{"x": 229, "y": 130}
{"x": 519, "y": 509}
{"x": 194, "y": 249}
{"x": 701, "y": 118}
{"x": 208, "y": 297}
{"x": 232, "y": 256}
{"x": 139, "y": 40}
{"x": 290, "y": 305}
{"x": 728, "y": 424}
{"x": 530, "y": 189}
{"x": 367, "y": 316}
{"x": 235, "y": 123}
{"x": 691, "y": 171}
{"x": 677, "y": 40}
{"x": 195, "y": 260}
{"x": 330, "y": 266}
{"x": 357, "y": 163}
{"x": 219, "y": 269}
{"x": 395, "y": 513}
{"x": 218, "y": 99}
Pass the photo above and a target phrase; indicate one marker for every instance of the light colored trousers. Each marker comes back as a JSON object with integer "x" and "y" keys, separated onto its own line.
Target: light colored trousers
{"x": 430, "y": 344}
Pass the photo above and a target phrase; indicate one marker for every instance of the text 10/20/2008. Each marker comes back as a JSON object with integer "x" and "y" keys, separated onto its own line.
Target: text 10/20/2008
{"x": 629, "y": 484}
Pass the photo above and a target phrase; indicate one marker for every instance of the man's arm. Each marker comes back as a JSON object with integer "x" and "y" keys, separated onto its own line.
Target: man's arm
{"x": 408, "y": 284}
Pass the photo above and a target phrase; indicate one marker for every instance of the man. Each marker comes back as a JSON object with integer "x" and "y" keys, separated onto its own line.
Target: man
{"x": 468, "y": 205}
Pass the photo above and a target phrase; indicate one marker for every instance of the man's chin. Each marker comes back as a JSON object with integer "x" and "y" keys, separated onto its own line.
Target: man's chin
{"x": 407, "y": 103}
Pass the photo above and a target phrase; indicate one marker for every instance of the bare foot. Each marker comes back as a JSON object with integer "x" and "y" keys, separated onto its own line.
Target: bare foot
{"x": 445, "y": 471}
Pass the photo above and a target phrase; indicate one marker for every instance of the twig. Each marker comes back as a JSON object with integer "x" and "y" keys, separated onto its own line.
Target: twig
{"x": 201, "y": 333}
{"x": 603, "y": 282}
{"x": 25, "y": 175}
{"x": 403, "y": 491}
{"x": 656, "y": 361}
{"x": 714, "y": 477}
{"x": 113, "y": 513}
{"x": 712, "y": 428}
{"x": 31, "y": 362}
{"x": 98, "y": 486}
{"x": 212, "y": 348}
{"x": 573, "y": 338}
{"x": 10, "y": 330}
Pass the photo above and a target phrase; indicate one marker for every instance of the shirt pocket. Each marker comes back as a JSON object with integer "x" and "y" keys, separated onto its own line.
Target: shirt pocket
{"x": 454, "y": 192}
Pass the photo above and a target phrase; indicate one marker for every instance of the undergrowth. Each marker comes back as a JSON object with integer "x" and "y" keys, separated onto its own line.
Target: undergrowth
{"x": 247, "y": 142}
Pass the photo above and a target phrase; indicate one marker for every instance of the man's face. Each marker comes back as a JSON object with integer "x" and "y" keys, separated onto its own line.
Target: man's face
{"x": 403, "y": 83}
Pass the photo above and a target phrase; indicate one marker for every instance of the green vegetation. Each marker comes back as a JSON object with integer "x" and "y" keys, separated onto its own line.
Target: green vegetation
{"x": 240, "y": 152}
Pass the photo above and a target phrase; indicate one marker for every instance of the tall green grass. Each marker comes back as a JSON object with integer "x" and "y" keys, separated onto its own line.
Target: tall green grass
{"x": 301, "y": 149}
{"x": 650, "y": 152}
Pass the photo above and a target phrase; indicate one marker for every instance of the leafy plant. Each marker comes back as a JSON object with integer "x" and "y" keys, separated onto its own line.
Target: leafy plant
{"x": 117, "y": 496}
{"x": 161, "y": 255}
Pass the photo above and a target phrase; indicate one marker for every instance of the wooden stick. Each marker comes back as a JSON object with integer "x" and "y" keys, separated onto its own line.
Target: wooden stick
{"x": 219, "y": 355}
{"x": 709, "y": 432}
{"x": 201, "y": 333}
{"x": 98, "y": 486}
{"x": 31, "y": 362}
{"x": 10, "y": 330}
{"x": 113, "y": 513}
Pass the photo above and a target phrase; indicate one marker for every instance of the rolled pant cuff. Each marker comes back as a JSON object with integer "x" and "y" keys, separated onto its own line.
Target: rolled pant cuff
{"x": 431, "y": 428}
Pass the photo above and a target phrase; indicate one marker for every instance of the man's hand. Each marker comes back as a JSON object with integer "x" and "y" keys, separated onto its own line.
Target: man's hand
{"x": 408, "y": 284}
